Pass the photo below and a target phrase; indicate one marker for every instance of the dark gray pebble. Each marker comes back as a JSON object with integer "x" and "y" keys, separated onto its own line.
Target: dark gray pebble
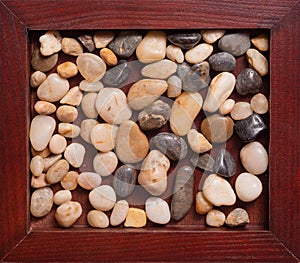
{"x": 225, "y": 164}
{"x": 184, "y": 40}
{"x": 222, "y": 61}
{"x": 42, "y": 63}
{"x": 124, "y": 180}
{"x": 203, "y": 161}
{"x": 115, "y": 76}
{"x": 87, "y": 42}
{"x": 236, "y": 44}
{"x": 248, "y": 81}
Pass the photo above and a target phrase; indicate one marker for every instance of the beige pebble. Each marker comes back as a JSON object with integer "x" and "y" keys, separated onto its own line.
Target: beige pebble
{"x": 41, "y": 202}
{"x": 153, "y": 174}
{"x": 87, "y": 86}
{"x": 91, "y": 67}
{"x": 86, "y": 127}
{"x": 68, "y": 213}
{"x": 259, "y": 103}
{"x": 57, "y": 144}
{"x": 53, "y": 88}
{"x": 136, "y": 217}
{"x": 70, "y": 181}
{"x": 184, "y": 111}
{"x": 62, "y": 196}
{"x": 175, "y": 54}
{"x": 152, "y": 47}
{"x": 159, "y": 70}
{"x": 198, "y": 142}
{"x": 227, "y": 106}
{"x": 119, "y": 213}
{"x": 105, "y": 163}
{"x": 89, "y": 180}
{"x": 157, "y": 210}
{"x": 241, "y": 110}
{"x": 74, "y": 154}
{"x": 37, "y": 78}
{"x": 71, "y": 46}
{"x": 66, "y": 113}
{"x": 212, "y": 35}
{"x": 41, "y": 130}
{"x": 219, "y": 90}
{"x": 237, "y": 217}
{"x": 111, "y": 104}
{"x": 44, "y": 107}
{"x": 97, "y": 219}
{"x": 103, "y": 198}
{"x": 254, "y": 158}
{"x": 144, "y": 92}
{"x": 37, "y": 165}
{"x": 215, "y": 218}
{"x": 67, "y": 69}
{"x": 261, "y": 42}
{"x": 44, "y": 153}
{"x": 257, "y": 61}
{"x": 57, "y": 171}
{"x": 103, "y": 136}
{"x": 218, "y": 191}
{"x": 88, "y": 105}
{"x": 50, "y": 43}
{"x": 108, "y": 56}
{"x": 202, "y": 205}
{"x": 174, "y": 87}
{"x": 73, "y": 97}
{"x": 103, "y": 38}
{"x": 68, "y": 130}
{"x": 50, "y": 160}
{"x": 38, "y": 182}
{"x": 198, "y": 53}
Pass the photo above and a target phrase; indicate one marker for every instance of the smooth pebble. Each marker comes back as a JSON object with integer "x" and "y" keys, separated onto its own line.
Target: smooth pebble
{"x": 136, "y": 217}
{"x": 70, "y": 181}
{"x": 87, "y": 86}
{"x": 71, "y": 46}
{"x": 212, "y": 35}
{"x": 85, "y": 129}
{"x": 103, "y": 136}
{"x": 159, "y": 70}
{"x": 198, "y": 53}
{"x": 67, "y": 70}
{"x": 97, "y": 219}
{"x": 119, "y": 213}
{"x": 103, "y": 198}
{"x": 73, "y": 97}
{"x": 74, "y": 154}
{"x": 259, "y": 103}
{"x": 37, "y": 78}
{"x": 68, "y": 130}
{"x": 37, "y": 165}
{"x": 105, "y": 163}
{"x": 241, "y": 110}
{"x": 215, "y": 218}
{"x": 157, "y": 210}
{"x": 175, "y": 54}
{"x": 57, "y": 171}
{"x": 103, "y": 38}
{"x": 248, "y": 81}
{"x": 42, "y": 63}
{"x": 124, "y": 180}
{"x": 237, "y": 217}
{"x": 109, "y": 57}
{"x": 89, "y": 180}
{"x": 44, "y": 107}
{"x": 198, "y": 142}
{"x": 50, "y": 43}
{"x": 41, "y": 202}
{"x": 66, "y": 113}
{"x": 236, "y": 43}
{"x": 257, "y": 61}
{"x": 68, "y": 213}
{"x": 202, "y": 205}
{"x": 261, "y": 42}
{"x": 62, "y": 196}
{"x": 174, "y": 86}
{"x": 88, "y": 105}
{"x": 57, "y": 144}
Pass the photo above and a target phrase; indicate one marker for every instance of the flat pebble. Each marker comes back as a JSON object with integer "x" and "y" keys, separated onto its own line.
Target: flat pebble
{"x": 136, "y": 217}
{"x": 237, "y": 217}
{"x": 215, "y": 218}
{"x": 119, "y": 213}
{"x": 89, "y": 180}
{"x": 225, "y": 164}
{"x": 50, "y": 160}
{"x": 103, "y": 198}
{"x": 68, "y": 130}
{"x": 87, "y": 42}
{"x": 241, "y": 110}
{"x": 175, "y": 54}
{"x": 219, "y": 90}
{"x": 103, "y": 136}
{"x": 91, "y": 67}
{"x": 173, "y": 146}
{"x": 159, "y": 70}
{"x": 73, "y": 97}
{"x": 57, "y": 144}
{"x": 218, "y": 191}
{"x": 152, "y": 47}
{"x": 248, "y": 81}
{"x": 62, "y": 196}
{"x": 71, "y": 46}
{"x": 217, "y": 129}
{"x": 53, "y": 88}
{"x": 41, "y": 202}
{"x": 74, "y": 154}
{"x": 212, "y": 35}
{"x": 88, "y": 105}
{"x": 257, "y": 61}
{"x": 157, "y": 210}
{"x": 222, "y": 61}
{"x": 184, "y": 40}
{"x": 70, "y": 181}
{"x": 227, "y": 106}
{"x": 144, "y": 92}
{"x": 254, "y": 158}
{"x": 85, "y": 129}
{"x": 111, "y": 104}
{"x": 38, "y": 182}
{"x": 174, "y": 86}
{"x": 117, "y": 75}
{"x": 182, "y": 199}
{"x": 42, "y": 63}
{"x": 204, "y": 162}
{"x": 50, "y": 43}
{"x": 108, "y": 56}
{"x": 184, "y": 111}
{"x": 248, "y": 187}
{"x": 97, "y": 219}
{"x": 105, "y": 163}
{"x": 57, "y": 171}
{"x": 87, "y": 86}
{"x": 131, "y": 143}
{"x": 237, "y": 43}
{"x": 103, "y": 38}
{"x": 37, "y": 78}
{"x": 153, "y": 174}
{"x": 68, "y": 213}
{"x": 41, "y": 130}
{"x": 67, "y": 69}
{"x": 66, "y": 113}
{"x": 124, "y": 180}
{"x": 44, "y": 107}
{"x": 198, "y": 142}
{"x": 261, "y": 42}
{"x": 259, "y": 103}
{"x": 201, "y": 204}
{"x": 198, "y": 53}
{"x": 37, "y": 165}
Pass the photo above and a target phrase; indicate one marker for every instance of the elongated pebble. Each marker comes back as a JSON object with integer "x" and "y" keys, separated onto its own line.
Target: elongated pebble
{"x": 159, "y": 70}
{"x": 227, "y": 106}
{"x": 212, "y": 35}
{"x": 50, "y": 160}
{"x": 119, "y": 213}
{"x": 88, "y": 105}
{"x": 57, "y": 171}
{"x": 86, "y": 127}
{"x": 62, "y": 196}
{"x": 87, "y": 86}
{"x": 257, "y": 61}
{"x": 108, "y": 56}
{"x": 202, "y": 205}
{"x": 97, "y": 219}
{"x": 174, "y": 86}
{"x": 37, "y": 165}
{"x": 44, "y": 107}
{"x": 198, "y": 53}
{"x": 89, "y": 180}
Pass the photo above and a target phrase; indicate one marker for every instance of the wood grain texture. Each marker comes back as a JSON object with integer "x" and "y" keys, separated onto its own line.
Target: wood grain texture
{"x": 18, "y": 17}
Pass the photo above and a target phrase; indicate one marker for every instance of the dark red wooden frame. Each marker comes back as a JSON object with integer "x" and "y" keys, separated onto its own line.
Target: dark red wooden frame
{"x": 280, "y": 243}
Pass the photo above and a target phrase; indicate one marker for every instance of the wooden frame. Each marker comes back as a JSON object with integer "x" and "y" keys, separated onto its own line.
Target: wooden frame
{"x": 280, "y": 243}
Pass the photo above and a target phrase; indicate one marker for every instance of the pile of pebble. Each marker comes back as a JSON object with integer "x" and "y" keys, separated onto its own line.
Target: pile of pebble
{"x": 174, "y": 71}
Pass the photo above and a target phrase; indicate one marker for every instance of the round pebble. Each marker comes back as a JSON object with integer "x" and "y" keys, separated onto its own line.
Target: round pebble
{"x": 57, "y": 144}
{"x": 62, "y": 196}
{"x": 157, "y": 210}
{"x": 66, "y": 113}
{"x": 237, "y": 43}
{"x": 41, "y": 202}
{"x": 74, "y": 154}
{"x": 241, "y": 110}
{"x": 212, "y": 35}
{"x": 67, "y": 69}
{"x": 259, "y": 103}
{"x": 248, "y": 81}
{"x": 105, "y": 163}
{"x": 70, "y": 181}
{"x": 215, "y": 218}
{"x": 89, "y": 180}
{"x": 103, "y": 136}
{"x": 222, "y": 61}
{"x": 103, "y": 198}
{"x": 97, "y": 219}
{"x": 68, "y": 213}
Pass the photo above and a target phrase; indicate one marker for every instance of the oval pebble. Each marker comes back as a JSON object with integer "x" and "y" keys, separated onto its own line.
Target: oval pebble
{"x": 62, "y": 196}
{"x": 42, "y": 63}
{"x": 215, "y": 218}
{"x": 119, "y": 212}
{"x": 174, "y": 86}
{"x": 103, "y": 136}
{"x": 198, "y": 53}
{"x": 87, "y": 86}
{"x": 259, "y": 103}
{"x": 212, "y": 35}
{"x": 237, "y": 43}
{"x": 89, "y": 180}
{"x": 71, "y": 46}
{"x": 37, "y": 165}
{"x": 103, "y": 198}
{"x": 248, "y": 187}
{"x": 124, "y": 180}
{"x": 222, "y": 61}
{"x": 74, "y": 154}
{"x": 44, "y": 107}
{"x": 175, "y": 54}
{"x": 159, "y": 70}
{"x": 88, "y": 105}
{"x": 68, "y": 130}
{"x": 248, "y": 81}
{"x": 97, "y": 219}
{"x": 68, "y": 213}
{"x": 108, "y": 56}
{"x": 57, "y": 171}
{"x": 67, "y": 70}
{"x": 105, "y": 163}
{"x": 261, "y": 42}
{"x": 241, "y": 110}
{"x": 184, "y": 40}
{"x": 37, "y": 78}
{"x": 70, "y": 181}
{"x": 157, "y": 210}
{"x": 227, "y": 106}
{"x": 86, "y": 127}
{"x": 257, "y": 61}
{"x": 202, "y": 205}
{"x": 57, "y": 144}
{"x": 41, "y": 202}
{"x": 66, "y": 113}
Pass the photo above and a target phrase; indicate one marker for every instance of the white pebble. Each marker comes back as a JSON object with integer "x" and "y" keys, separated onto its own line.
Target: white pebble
{"x": 227, "y": 106}
{"x": 67, "y": 214}
{"x": 103, "y": 198}
{"x": 157, "y": 210}
{"x": 119, "y": 213}
{"x": 62, "y": 196}
{"x": 37, "y": 165}
{"x": 215, "y": 218}
{"x": 241, "y": 110}
{"x": 89, "y": 180}
{"x": 97, "y": 219}
{"x": 105, "y": 163}
{"x": 57, "y": 144}
{"x": 74, "y": 154}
